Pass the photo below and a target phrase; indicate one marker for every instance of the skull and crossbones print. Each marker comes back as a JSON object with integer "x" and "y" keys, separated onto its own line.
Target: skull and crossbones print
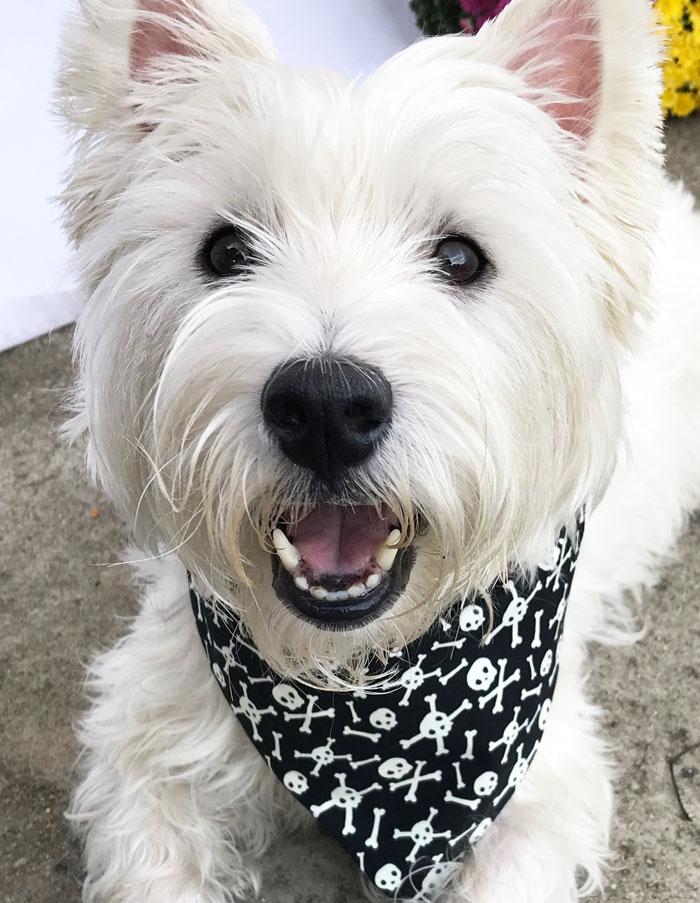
{"x": 406, "y": 779}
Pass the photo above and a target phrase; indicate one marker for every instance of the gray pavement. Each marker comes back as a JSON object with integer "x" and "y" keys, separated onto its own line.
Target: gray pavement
{"x": 59, "y": 603}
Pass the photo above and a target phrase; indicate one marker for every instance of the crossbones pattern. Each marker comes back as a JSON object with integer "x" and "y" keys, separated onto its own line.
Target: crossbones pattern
{"x": 412, "y": 769}
{"x": 414, "y": 677}
{"x": 346, "y": 798}
{"x": 435, "y": 725}
{"x": 322, "y": 755}
{"x": 515, "y": 613}
{"x": 510, "y": 735}
{"x": 310, "y": 713}
{"x": 412, "y": 783}
{"x": 502, "y": 683}
{"x": 248, "y": 708}
{"x": 422, "y": 833}
{"x": 563, "y": 556}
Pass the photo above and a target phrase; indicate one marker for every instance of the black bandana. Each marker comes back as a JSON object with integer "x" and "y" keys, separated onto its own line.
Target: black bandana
{"x": 408, "y": 778}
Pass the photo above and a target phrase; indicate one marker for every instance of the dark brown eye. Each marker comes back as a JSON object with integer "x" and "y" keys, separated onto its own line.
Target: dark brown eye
{"x": 227, "y": 252}
{"x": 459, "y": 259}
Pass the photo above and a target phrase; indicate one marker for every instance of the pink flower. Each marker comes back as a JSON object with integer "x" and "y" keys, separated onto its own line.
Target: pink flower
{"x": 479, "y": 11}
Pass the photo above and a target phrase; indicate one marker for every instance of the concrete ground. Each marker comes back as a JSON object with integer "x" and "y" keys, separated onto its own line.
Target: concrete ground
{"x": 59, "y": 603}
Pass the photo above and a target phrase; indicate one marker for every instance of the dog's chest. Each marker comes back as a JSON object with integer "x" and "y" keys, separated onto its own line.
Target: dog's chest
{"x": 409, "y": 775}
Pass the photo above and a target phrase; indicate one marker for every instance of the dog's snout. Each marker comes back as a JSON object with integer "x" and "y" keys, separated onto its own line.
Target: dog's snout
{"x": 327, "y": 413}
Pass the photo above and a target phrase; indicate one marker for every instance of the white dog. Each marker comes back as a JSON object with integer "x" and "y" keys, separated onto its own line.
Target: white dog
{"x": 391, "y": 337}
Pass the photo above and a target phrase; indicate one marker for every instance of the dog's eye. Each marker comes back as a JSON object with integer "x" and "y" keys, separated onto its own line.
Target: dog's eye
{"x": 459, "y": 259}
{"x": 227, "y": 252}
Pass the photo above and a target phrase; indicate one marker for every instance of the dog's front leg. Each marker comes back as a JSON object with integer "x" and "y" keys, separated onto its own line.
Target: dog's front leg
{"x": 173, "y": 801}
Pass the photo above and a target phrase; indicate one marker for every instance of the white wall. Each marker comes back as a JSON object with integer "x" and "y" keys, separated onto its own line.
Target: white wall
{"x": 35, "y": 271}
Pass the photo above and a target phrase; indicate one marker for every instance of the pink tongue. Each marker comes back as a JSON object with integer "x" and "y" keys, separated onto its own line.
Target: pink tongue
{"x": 336, "y": 540}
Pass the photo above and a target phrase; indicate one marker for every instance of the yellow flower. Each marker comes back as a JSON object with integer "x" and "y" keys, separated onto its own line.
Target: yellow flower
{"x": 681, "y": 69}
{"x": 670, "y": 8}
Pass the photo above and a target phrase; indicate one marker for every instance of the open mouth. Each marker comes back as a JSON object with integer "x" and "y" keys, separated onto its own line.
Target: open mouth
{"x": 341, "y": 566}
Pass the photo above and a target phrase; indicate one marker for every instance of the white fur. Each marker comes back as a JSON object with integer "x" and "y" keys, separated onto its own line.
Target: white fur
{"x": 512, "y": 399}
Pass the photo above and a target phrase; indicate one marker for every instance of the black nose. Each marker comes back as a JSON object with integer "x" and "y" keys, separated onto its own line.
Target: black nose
{"x": 327, "y": 413}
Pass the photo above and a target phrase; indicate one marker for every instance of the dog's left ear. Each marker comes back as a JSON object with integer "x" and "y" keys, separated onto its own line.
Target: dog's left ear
{"x": 594, "y": 67}
{"x": 556, "y": 47}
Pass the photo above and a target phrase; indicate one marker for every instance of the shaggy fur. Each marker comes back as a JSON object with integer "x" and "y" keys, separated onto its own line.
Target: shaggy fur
{"x": 568, "y": 376}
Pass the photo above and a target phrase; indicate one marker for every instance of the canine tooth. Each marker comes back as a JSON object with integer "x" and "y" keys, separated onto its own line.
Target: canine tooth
{"x": 290, "y": 558}
{"x": 393, "y": 538}
{"x": 302, "y": 583}
{"x": 279, "y": 539}
{"x": 372, "y": 581}
{"x": 318, "y": 592}
{"x": 385, "y": 558}
{"x": 357, "y": 590}
{"x": 288, "y": 554}
{"x": 386, "y": 555}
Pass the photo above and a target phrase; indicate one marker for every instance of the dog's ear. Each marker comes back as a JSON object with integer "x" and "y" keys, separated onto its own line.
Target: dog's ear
{"x": 206, "y": 28}
{"x": 110, "y": 47}
{"x": 594, "y": 66}
{"x": 160, "y": 29}
{"x": 556, "y": 47}
{"x": 123, "y": 62}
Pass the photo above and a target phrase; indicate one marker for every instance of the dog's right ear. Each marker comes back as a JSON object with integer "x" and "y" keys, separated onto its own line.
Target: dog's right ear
{"x": 160, "y": 30}
{"x": 111, "y": 47}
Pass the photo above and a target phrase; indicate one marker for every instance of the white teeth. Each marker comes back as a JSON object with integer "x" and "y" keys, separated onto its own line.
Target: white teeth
{"x": 288, "y": 554}
{"x": 326, "y": 595}
{"x": 386, "y": 555}
{"x": 393, "y": 538}
{"x": 290, "y": 557}
{"x": 340, "y": 595}
{"x": 337, "y": 596}
{"x": 385, "y": 558}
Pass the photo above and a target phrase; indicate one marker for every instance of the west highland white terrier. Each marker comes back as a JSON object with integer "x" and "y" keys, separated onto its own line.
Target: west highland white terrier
{"x": 357, "y": 362}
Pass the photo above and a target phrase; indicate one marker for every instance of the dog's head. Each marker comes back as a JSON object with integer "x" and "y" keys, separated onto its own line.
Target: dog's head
{"x": 351, "y": 349}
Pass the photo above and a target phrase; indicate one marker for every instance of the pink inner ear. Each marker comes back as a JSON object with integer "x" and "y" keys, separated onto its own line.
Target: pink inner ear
{"x": 151, "y": 39}
{"x": 567, "y": 58}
